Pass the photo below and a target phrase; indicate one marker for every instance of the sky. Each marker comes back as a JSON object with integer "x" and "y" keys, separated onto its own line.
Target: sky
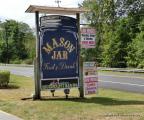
{"x": 15, "y": 9}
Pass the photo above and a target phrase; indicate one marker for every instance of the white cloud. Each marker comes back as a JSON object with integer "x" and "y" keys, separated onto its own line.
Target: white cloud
{"x": 15, "y": 9}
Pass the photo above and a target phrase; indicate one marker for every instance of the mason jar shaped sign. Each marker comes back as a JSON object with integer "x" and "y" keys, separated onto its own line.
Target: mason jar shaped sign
{"x": 59, "y": 48}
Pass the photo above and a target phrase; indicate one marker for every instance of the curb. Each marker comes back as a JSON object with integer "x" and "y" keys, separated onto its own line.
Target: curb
{"x": 7, "y": 116}
{"x": 122, "y": 70}
{"x": 17, "y": 65}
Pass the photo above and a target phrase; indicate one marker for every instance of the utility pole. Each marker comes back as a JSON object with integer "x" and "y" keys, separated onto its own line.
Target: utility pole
{"x": 58, "y": 2}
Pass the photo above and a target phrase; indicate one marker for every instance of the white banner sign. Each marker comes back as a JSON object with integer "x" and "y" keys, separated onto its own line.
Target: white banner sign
{"x": 88, "y": 36}
{"x": 90, "y": 78}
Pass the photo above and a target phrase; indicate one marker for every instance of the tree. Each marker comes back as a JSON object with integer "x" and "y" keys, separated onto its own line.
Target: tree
{"x": 135, "y": 56}
{"x": 7, "y": 40}
{"x": 101, "y": 13}
{"x": 18, "y": 42}
{"x": 116, "y": 22}
{"x": 115, "y": 49}
{"x": 14, "y": 45}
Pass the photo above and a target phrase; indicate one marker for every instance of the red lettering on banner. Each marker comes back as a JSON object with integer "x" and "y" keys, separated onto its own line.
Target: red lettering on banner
{"x": 92, "y": 42}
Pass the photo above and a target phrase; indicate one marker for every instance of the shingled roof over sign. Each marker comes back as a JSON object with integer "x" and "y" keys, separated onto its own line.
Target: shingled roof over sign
{"x": 55, "y": 10}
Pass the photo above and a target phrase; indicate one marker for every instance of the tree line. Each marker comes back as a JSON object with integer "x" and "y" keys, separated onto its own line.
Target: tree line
{"x": 119, "y": 28}
{"x": 17, "y": 42}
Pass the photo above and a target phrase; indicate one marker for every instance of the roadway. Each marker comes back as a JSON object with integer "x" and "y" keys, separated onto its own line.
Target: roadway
{"x": 24, "y": 71}
{"x": 132, "y": 82}
{"x": 119, "y": 81}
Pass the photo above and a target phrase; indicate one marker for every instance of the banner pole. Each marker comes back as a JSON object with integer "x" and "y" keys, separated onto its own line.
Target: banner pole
{"x": 81, "y": 88}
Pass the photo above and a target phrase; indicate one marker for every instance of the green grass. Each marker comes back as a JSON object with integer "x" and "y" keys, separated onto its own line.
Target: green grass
{"x": 106, "y": 105}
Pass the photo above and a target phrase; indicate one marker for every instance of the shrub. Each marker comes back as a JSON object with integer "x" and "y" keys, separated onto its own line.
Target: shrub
{"x": 28, "y": 61}
{"x": 4, "y": 78}
{"x": 16, "y": 61}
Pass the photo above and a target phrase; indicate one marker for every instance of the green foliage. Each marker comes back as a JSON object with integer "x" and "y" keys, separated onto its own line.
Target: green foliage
{"x": 16, "y": 42}
{"x": 115, "y": 49}
{"x": 119, "y": 29}
{"x": 16, "y": 61}
{"x": 4, "y": 78}
{"x": 135, "y": 56}
{"x": 28, "y": 61}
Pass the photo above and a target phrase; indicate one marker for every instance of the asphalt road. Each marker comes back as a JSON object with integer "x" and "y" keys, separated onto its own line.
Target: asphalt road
{"x": 126, "y": 82}
{"x": 24, "y": 71}
{"x": 131, "y": 82}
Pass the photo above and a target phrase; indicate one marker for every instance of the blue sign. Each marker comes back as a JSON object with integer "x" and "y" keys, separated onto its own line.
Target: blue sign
{"x": 58, "y": 47}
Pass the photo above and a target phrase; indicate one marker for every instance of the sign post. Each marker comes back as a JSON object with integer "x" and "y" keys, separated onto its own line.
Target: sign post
{"x": 90, "y": 75}
{"x": 37, "y": 60}
{"x": 57, "y": 63}
{"x": 81, "y": 87}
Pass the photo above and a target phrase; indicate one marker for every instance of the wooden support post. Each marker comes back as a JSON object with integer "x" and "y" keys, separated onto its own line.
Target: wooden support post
{"x": 81, "y": 89}
{"x": 37, "y": 61}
